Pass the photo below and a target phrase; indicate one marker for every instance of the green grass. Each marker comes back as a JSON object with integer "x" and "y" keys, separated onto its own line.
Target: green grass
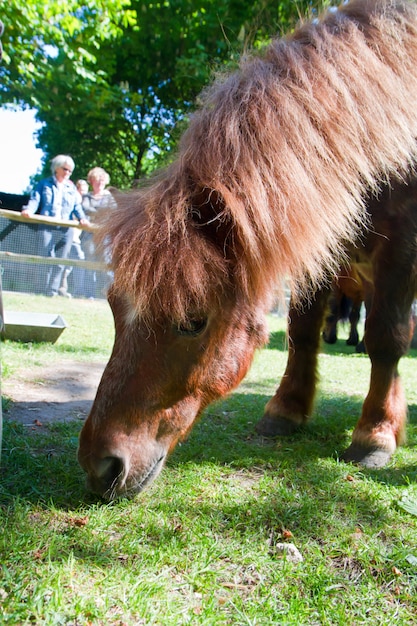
{"x": 199, "y": 546}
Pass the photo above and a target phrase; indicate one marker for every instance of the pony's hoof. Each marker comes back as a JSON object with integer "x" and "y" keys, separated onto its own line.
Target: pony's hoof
{"x": 353, "y": 340}
{"x": 276, "y": 427}
{"x": 360, "y": 348}
{"x": 371, "y": 458}
{"x": 331, "y": 338}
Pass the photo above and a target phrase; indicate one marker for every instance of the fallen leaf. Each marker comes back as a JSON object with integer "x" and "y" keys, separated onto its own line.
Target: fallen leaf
{"x": 78, "y": 521}
{"x": 410, "y": 558}
{"x": 38, "y": 554}
{"x": 409, "y": 504}
{"x": 123, "y": 558}
{"x": 289, "y": 551}
{"x": 3, "y": 594}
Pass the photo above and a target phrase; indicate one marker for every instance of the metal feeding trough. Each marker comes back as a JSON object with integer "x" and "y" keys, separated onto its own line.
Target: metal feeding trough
{"x": 23, "y": 326}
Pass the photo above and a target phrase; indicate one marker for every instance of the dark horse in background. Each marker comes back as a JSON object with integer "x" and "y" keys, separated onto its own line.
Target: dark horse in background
{"x": 298, "y": 159}
{"x": 349, "y": 290}
{"x": 347, "y": 294}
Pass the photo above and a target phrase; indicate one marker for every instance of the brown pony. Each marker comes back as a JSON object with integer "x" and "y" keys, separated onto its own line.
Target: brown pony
{"x": 269, "y": 183}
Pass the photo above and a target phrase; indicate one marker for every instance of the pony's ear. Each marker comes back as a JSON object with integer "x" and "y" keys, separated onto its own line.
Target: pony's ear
{"x": 208, "y": 216}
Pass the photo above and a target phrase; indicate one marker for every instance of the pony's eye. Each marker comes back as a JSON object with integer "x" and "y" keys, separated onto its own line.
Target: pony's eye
{"x": 191, "y": 328}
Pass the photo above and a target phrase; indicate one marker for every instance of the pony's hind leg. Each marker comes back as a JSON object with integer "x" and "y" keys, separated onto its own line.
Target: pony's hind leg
{"x": 292, "y": 403}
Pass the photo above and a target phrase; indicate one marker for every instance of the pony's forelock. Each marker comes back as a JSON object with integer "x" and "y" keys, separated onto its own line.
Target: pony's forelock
{"x": 163, "y": 263}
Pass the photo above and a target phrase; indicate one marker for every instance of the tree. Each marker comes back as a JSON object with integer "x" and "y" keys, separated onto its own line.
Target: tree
{"x": 113, "y": 81}
{"x": 52, "y": 48}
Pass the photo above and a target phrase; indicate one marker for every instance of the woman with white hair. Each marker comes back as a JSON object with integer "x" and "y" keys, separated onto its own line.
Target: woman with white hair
{"x": 56, "y": 197}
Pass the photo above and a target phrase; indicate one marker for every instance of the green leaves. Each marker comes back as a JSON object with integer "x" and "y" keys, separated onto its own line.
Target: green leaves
{"x": 113, "y": 79}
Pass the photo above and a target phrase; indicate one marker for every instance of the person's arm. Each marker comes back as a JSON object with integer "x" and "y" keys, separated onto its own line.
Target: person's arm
{"x": 79, "y": 213}
{"x": 34, "y": 201}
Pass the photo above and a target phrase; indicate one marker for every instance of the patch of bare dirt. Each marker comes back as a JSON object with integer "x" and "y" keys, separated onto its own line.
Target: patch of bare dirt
{"x": 54, "y": 393}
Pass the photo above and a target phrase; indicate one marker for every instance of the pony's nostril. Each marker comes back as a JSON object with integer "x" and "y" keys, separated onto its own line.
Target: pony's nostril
{"x": 110, "y": 470}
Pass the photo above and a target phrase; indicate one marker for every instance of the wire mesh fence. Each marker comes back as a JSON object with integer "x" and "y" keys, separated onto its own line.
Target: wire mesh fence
{"x": 25, "y": 270}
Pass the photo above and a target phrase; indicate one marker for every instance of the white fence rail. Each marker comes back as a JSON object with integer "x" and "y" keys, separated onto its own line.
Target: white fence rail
{"x": 22, "y": 265}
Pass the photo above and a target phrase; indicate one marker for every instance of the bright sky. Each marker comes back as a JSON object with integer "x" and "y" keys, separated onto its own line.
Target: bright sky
{"x": 19, "y": 157}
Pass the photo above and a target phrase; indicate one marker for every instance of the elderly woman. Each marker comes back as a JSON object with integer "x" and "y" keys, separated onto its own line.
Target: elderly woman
{"x": 56, "y": 197}
{"x": 98, "y": 198}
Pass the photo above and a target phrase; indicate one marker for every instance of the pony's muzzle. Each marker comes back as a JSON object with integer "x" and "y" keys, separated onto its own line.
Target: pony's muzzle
{"x": 107, "y": 476}
{"x": 113, "y": 475}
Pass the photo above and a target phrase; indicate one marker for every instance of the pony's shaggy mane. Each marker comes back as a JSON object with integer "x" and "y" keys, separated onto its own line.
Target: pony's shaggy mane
{"x": 271, "y": 173}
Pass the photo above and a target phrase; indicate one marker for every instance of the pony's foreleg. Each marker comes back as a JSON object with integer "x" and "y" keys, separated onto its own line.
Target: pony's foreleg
{"x": 292, "y": 403}
{"x": 381, "y": 427}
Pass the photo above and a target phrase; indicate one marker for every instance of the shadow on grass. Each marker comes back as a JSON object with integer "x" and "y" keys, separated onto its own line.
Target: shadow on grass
{"x": 325, "y": 436}
{"x": 302, "y": 490}
{"x": 42, "y": 467}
